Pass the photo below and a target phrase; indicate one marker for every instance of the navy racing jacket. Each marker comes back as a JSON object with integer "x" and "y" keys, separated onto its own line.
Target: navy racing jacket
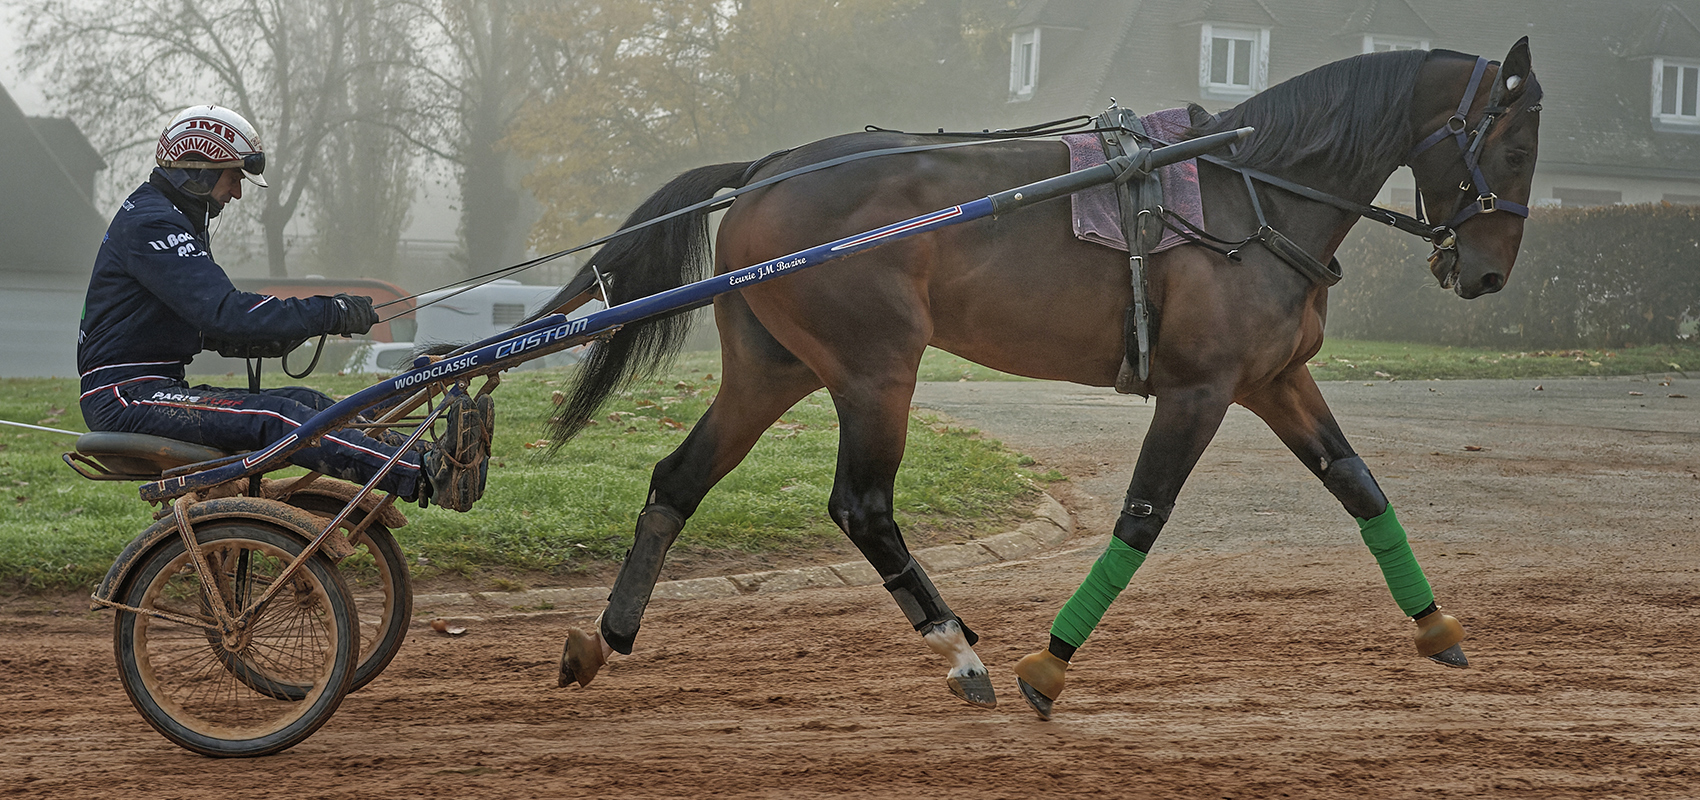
{"x": 156, "y": 292}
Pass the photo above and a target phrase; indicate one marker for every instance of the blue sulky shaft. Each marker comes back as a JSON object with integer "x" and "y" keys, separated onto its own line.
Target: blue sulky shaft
{"x": 555, "y": 332}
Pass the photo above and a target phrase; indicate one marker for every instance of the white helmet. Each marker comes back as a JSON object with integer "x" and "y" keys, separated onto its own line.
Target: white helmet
{"x": 212, "y": 137}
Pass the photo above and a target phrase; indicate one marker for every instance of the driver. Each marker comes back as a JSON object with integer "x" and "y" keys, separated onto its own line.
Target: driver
{"x": 156, "y": 299}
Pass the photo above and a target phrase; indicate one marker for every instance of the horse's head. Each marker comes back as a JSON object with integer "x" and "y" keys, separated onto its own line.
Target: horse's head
{"x": 1477, "y": 134}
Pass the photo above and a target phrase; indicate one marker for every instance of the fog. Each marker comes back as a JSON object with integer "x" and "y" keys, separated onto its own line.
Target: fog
{"x": 460, "y": 142}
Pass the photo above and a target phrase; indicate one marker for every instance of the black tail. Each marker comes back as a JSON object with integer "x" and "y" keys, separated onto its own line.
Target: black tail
{"x": 639, "y": 264}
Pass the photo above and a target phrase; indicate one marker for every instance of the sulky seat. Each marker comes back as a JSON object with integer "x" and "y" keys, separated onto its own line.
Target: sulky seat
{"x": 109, "y": 456}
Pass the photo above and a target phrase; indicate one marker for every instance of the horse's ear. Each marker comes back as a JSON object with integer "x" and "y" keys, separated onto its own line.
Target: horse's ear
{"x": 1514, "y": 71}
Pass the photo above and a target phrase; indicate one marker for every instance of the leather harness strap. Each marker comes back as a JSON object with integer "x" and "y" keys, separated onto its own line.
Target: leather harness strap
{"x": 1140, "y": 198}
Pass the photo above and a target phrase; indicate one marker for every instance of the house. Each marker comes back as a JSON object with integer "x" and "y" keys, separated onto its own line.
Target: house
{"x": 1620, "y": 121}
{"x": 51, "y": 229}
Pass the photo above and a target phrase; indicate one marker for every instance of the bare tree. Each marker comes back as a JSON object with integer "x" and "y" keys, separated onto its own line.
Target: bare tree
{"x": 124, "y": 66}
{"x": 659, "y": 86}
{"x": 481, "y": 60}
{"x": 365, "y": 185}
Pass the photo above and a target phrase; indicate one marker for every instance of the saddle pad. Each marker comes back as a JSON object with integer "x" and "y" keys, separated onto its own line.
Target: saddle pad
{"x": 1097, "y": 218}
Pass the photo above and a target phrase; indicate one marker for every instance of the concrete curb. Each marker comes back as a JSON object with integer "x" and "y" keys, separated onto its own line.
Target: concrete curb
{"x": 1050, "y": 526}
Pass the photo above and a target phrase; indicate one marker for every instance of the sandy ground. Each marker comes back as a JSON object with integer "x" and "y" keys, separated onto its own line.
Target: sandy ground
{"x": 1256, "y": 654}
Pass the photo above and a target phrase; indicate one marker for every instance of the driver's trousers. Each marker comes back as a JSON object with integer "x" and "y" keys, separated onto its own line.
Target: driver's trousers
{"x": 235, "y": 421}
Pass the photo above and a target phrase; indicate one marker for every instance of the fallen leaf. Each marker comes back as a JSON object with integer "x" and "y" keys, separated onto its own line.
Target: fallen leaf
{"x": 1474, "y": 448}
{"x": 558, "y": 397}
{"x": 1634, "y": 394}
{"x": 672, "y": 423}
{"x": 1540, "y": 388}
{"x": 1678, "y": 395}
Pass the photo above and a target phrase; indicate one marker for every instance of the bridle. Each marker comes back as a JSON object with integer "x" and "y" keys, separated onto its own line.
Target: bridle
{"x": 1457, "y": 127}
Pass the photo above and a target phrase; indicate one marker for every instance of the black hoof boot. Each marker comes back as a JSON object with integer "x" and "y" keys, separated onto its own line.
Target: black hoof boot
{"x": 974, "y": 687}
{"x": 1040, "y": 678}
{"x": 1452, "y": 657}
{"x": 1040, "y": 703}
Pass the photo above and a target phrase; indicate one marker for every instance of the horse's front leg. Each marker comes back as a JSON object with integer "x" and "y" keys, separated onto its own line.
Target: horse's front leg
{"x": 1294, "y": 409}
{"x": 1183, "y": 424}
{"x": 872, "y": 427}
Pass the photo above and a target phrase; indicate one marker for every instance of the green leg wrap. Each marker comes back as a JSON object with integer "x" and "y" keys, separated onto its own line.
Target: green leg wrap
{"x": 1386, "y": 539}
{"x": 1109, "y": 576}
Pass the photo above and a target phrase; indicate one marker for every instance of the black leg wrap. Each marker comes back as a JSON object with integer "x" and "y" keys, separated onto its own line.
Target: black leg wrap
{"x": 1140, "y": 522}
{"x": 657, "y": 527}
{"x": 1061, "y": 649}
{"x": 1348, "y": 479}
{"x": 920, "y": 600}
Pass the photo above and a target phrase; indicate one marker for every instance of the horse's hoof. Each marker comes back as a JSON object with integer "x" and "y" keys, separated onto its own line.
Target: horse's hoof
{"x": 1452, "y": 657}
{"x": 1438, "y": 633}
{"x": 1040, "y": 677}
{"x": 581, "y": 659}
{"x": 975, "y": 688}
{"x": 1040, "y": 703}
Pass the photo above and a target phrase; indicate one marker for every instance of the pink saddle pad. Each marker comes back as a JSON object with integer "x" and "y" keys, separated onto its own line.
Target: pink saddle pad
{"x": 1097, "y": 218}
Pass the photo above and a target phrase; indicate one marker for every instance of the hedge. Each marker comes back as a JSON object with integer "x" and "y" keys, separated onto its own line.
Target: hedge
{"x": 1609, "y": 276}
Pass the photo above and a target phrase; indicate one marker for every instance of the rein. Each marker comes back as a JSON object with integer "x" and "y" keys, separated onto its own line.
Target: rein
{"x": 717, "y": 202}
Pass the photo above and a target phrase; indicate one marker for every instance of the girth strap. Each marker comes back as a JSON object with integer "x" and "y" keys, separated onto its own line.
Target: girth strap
{"x": 1140, "y": 199}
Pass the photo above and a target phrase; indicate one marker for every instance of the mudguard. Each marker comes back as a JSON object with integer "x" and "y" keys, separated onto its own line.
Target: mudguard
{"x": 340, "y": 491}
{"x": 261, "y": 510}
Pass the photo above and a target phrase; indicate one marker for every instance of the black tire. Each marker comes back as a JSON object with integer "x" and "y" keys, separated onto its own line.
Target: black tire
{"x": 383, "y": 598}
{"x": 181, "y": 678}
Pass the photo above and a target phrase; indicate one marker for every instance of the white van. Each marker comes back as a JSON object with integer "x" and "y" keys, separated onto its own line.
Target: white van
{"x": 445, "y": 317}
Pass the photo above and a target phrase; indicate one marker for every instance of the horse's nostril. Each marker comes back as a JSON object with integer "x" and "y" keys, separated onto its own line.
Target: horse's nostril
{"x": 1493, "y": 282}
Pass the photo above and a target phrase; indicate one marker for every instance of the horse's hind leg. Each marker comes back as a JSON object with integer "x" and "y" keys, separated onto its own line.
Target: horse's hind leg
{"x": 873, "y": 422}
{"x": 760, "y": 380}
{"x": 1294, "y": 409}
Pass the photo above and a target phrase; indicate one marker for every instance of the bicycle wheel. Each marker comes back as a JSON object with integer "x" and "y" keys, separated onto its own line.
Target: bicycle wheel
{"x": 383, "y": 595}
{"x": 198, "y": 687}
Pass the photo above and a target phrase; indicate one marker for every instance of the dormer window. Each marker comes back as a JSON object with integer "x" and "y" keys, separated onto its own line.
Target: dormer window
{"x": 1023, "y": 63}
{"x": 1675, "y": 82}
{"x": 1380, "y": 44}
{"x": 1233, "y": 62}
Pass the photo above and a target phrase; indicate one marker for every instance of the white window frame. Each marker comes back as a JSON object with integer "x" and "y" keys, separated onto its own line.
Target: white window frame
{"x": 1688, "y": 73}
{"x": 1023, "y": 63}
{"x": 1255, "y": 38}
{"x": 1376, "y": 43}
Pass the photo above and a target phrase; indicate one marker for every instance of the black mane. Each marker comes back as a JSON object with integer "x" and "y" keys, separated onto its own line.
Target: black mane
{"x": 1352, "y": 114}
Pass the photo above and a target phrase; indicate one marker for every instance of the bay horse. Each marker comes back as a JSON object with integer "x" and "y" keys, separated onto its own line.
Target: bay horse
{"x": 1023, "y": 295}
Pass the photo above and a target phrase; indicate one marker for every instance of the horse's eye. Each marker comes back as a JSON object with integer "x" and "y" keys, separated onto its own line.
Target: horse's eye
{"x": 1516, "y": 159}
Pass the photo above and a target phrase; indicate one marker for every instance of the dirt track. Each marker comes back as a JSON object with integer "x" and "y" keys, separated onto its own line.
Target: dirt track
{"x": 1257, "y": 653}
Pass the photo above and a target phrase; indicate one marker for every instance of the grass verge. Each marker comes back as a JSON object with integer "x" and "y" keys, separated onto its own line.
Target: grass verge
{"x": 572, "y": 513}
{"x": 544, "y": 515}
{"x": 1348, "y": 359}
